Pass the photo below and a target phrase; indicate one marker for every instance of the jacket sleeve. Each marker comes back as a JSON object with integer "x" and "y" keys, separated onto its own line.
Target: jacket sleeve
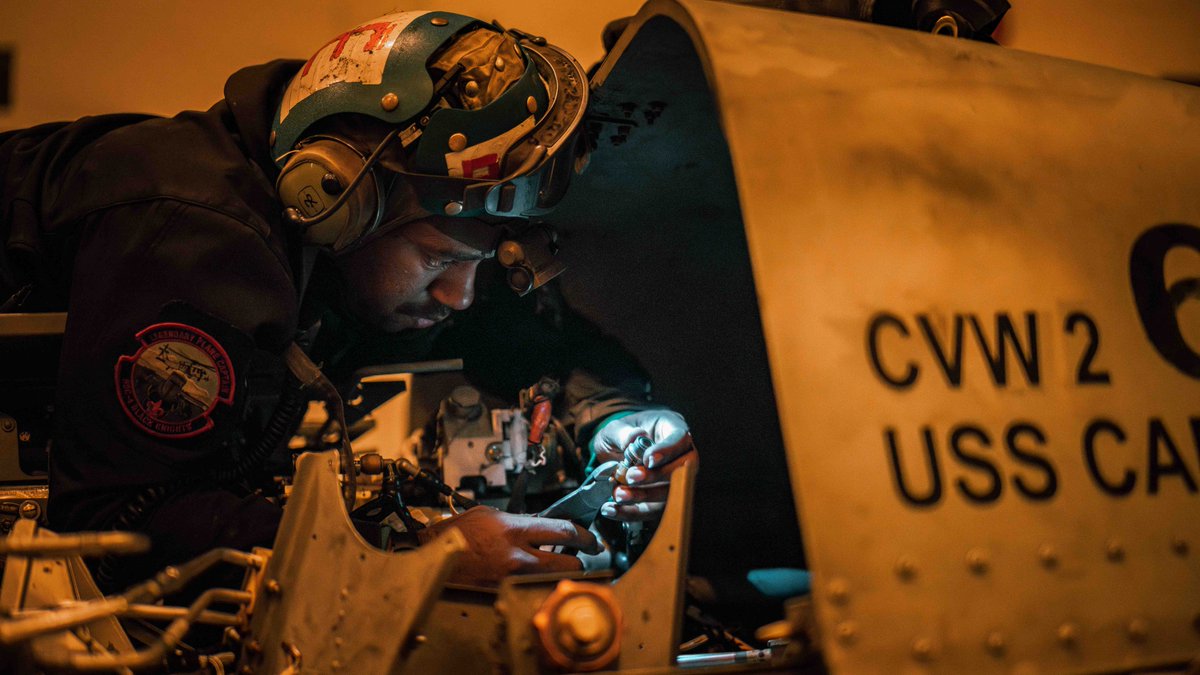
{"x": 170, "y": 302}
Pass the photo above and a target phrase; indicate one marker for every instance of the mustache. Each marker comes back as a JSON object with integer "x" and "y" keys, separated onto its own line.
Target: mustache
{"x": 434, "y": 312}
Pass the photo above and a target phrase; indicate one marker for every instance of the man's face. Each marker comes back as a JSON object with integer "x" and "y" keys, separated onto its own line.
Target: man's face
{"x": 417, "y": 273}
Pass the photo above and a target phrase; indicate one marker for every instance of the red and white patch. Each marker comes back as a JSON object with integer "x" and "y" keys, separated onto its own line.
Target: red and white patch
{"x": 482, "y": 160}
{"x": 170, "y": 385}
{"x": 358, "y": 55}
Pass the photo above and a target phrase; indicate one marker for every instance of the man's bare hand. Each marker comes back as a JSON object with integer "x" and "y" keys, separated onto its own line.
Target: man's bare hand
{"x": 500, "y": 544}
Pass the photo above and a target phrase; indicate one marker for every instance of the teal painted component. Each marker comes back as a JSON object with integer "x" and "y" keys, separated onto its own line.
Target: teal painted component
{"x": 781, "y": 582}
{"x": 405, "y": 75}
{"x": 479, "y": 125}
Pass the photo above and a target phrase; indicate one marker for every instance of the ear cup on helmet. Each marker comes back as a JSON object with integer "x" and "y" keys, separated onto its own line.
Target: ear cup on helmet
{"x": 312, "y": 180}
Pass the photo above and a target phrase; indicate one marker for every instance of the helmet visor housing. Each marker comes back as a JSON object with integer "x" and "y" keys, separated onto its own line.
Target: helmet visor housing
{"x": 486, "y": 120}
{"x": 519, "y": 173}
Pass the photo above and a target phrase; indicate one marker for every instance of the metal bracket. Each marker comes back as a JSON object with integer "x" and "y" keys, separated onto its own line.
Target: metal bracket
{"x": 325, "y": 589}
{"x": 649, "y": 596}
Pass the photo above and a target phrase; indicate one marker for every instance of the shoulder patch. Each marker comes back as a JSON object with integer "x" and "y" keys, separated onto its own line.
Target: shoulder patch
{"x": 174, "y": 379}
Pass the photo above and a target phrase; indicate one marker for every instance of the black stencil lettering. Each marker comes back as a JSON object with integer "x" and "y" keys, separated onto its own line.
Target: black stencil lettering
{"x": 935, "y": 477}
{"x": 976, "y": 461}
{"x": 1160, "y": 440}
{"x": 1027, "y": 457}
{"x": 951, "y": 364}
{"x": 1157, "y": 305}
{"x": 877, "y": 323}
{"x": 1195, "y": 424}
{"x": 1084, "y": 373}
{"x": 1006, "y": 333}
{"x": 1128, "y": 479}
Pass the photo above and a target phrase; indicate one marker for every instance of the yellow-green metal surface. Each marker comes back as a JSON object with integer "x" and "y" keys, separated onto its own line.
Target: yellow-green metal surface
{"x": 977, "y": 272}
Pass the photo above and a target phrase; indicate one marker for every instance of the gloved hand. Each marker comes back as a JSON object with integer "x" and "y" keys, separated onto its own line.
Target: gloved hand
{"x": 500, "y": 544}
{"x": 671, "y": 447}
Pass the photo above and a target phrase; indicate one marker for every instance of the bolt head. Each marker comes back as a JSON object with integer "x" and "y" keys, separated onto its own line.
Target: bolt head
{"x": 1114, "y": 550}
{"x": 1067, "y": 634}
{"x": 389, "y": 102}
{"x": 847, "y": 632}
{"x": 30, "y": 509}
{"x": 996, "y": 644}
{"x": 1048, "y": 555}
{"x": 839, "y": 591}
{"x": 977, "y": 560}
{"x": 922, "y": 649}
{"x": 438, "y": 21}
{"x": 1138, "y": 629}
{"x": 510, "y": 253}
{"x": 272, "y": 586}
{"x": 457, "y": 142}
{"x": 531, "y": 105}
{"x": 453, "y": 208}
{"x": 585, "y": 626}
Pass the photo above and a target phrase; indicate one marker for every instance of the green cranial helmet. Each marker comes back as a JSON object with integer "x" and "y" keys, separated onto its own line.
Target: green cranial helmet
{"x": 483, "y": 120}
